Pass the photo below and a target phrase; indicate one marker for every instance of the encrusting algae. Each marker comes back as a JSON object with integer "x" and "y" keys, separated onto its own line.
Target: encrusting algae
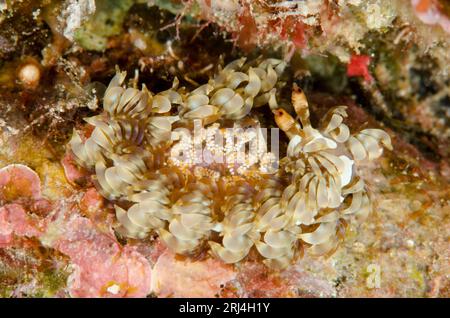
{"x": 307, "y": 202}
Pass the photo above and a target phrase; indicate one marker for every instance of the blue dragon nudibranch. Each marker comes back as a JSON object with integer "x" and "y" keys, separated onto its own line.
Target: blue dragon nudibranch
{"x": 305, "y": 203}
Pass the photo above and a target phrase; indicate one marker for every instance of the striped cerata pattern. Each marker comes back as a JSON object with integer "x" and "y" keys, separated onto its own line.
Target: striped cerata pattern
{"x": 306, "y": 204}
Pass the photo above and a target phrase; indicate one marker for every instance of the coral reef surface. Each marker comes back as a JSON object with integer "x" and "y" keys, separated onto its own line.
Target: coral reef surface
{"x": 134, "y": 186}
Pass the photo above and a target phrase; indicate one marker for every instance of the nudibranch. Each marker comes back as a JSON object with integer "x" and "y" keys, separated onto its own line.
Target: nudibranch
{"x": 305, "y": 203}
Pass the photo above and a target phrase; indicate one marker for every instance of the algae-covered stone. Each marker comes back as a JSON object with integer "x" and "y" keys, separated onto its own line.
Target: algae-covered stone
{"x": 106, "y": 22}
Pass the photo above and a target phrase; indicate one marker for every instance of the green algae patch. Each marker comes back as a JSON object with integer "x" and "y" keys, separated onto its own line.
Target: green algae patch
{"x": 31, "y": 270}
{"x": 106, "y": 21}
{"x": 52, "y": 281}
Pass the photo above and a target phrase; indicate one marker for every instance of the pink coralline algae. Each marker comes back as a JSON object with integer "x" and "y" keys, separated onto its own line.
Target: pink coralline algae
{"x": 18, "y": 181}
{"x": 258, "y": 282}
{"x": 14, "y": 221}
{"x": 74, "y": 174}
{"x": 91, "y": 202}
{"x": 171, "y": 276}
{"x": 430, "y": 12}
{"x": 101, "y": 266}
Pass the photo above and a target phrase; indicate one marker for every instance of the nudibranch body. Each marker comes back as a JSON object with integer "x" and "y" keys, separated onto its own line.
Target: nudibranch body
{"x": 306, "y": 203}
